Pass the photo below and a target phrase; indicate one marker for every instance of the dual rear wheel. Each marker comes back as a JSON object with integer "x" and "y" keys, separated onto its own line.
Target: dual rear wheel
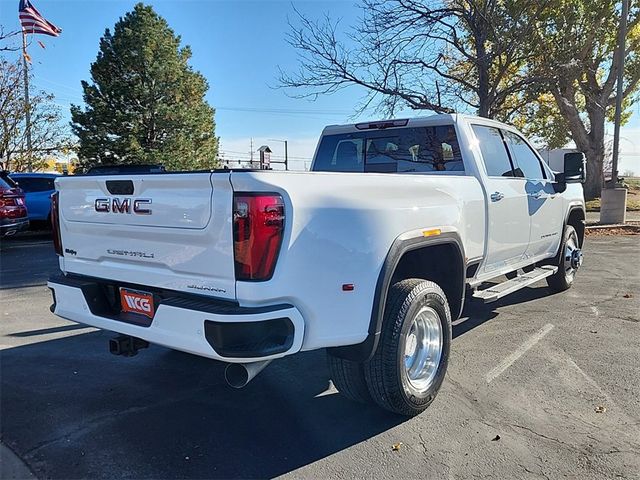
{"x": 409, "y": 365}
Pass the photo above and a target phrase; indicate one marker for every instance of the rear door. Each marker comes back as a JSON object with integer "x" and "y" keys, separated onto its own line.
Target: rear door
{"x": 168, "y": 231}
{"x": 508, "y": 226}
{"x": 544, "y": 206}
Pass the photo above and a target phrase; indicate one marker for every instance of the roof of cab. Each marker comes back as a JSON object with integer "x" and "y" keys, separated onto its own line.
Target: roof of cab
{"x": 436, "y": 119}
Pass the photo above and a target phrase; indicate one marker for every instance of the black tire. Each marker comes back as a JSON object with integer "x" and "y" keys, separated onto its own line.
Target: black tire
{"x": 348, "y": 378}
{"x": 387, "y": 378}
{"x": 563, "y": 279}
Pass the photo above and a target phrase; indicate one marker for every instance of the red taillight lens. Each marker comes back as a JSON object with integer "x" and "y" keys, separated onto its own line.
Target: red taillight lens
{"x": 12, "y": 204}
{"x": 55, "y": 223}
{"x": 258, "y": 226}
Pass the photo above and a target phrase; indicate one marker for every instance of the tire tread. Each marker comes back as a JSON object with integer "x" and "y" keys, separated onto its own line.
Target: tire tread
{"x": 348, "y": 378}
{"x": 384, "y": 387}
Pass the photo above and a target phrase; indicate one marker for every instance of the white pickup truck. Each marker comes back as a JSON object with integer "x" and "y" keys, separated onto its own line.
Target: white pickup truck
{"x": 370, "y": 255}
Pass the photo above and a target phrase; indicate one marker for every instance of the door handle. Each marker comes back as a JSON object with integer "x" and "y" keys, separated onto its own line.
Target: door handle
{"x": 497, "y": 196}
{"x": 535, "y": 195}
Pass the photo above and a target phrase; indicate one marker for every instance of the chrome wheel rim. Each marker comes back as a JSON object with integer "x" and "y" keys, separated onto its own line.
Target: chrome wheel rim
{"x": 572, "y": 255}
{"x": 423, "y": 348}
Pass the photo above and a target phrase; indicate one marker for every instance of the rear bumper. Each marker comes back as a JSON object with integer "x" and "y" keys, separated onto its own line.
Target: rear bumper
{"x": 190, "y": 323}
{"x": 13, "y": 225}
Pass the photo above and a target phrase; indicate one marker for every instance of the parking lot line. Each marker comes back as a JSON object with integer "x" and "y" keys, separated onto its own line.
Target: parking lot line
{"x": 511, "y": 359}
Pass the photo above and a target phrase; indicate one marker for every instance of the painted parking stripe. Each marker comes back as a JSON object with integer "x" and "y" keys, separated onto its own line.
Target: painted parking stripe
{"x": 511, "y": 359}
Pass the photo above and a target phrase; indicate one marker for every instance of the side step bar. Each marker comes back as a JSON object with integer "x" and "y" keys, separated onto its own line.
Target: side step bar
{"x": 498, "y": 291}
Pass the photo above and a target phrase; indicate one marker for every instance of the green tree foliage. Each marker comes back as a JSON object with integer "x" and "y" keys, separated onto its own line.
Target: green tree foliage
{"x": 145, "y": 104}
{"x": 576, "y": 48}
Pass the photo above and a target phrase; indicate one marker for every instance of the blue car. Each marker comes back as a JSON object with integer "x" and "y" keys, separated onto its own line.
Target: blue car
{"x": 38, "y": 188}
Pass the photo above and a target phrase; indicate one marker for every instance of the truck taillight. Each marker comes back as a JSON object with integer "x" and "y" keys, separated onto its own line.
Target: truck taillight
{"x": 258, "y": 227}
{"x": 55, "y": 223}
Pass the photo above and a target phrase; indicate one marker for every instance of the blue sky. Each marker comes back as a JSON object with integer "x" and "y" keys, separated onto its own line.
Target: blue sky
{"x": 237, "y": 46}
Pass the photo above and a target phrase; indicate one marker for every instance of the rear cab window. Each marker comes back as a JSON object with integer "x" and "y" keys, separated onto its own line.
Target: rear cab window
{"x": 430, "y": 149}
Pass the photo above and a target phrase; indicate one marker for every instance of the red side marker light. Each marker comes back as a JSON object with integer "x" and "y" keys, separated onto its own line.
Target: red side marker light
{"x": 348, "y": 287}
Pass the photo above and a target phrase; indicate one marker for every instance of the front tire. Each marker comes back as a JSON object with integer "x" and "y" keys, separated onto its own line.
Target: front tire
{"x": 406, "y": 371}
{"x": 568, "y": 261}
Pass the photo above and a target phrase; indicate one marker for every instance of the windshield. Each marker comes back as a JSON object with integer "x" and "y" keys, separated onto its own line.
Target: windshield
{"x": 422, "y": 149}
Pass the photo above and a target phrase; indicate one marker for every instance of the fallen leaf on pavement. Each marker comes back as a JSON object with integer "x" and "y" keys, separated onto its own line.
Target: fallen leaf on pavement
{"x": 496, "y": 438}
{"x": 600, "y": 409}
{"x": 396, "y": 446}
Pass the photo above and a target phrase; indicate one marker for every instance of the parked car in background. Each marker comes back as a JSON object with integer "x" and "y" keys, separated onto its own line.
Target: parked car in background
{"x": 38, "y": 188}
{"x": 13, "y": 212}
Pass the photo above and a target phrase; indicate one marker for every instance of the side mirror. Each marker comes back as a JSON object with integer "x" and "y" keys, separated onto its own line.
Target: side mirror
{"x": 575, "y": 167}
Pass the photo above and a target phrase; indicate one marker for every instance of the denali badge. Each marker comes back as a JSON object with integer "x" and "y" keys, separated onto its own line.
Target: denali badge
{"x": 123, "y": 205}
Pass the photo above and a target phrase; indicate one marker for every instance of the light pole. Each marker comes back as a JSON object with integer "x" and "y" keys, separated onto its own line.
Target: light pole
{"x": 619, "y": 92}
{"x": 613, "y": 201}
{"x": 286, "y": 154}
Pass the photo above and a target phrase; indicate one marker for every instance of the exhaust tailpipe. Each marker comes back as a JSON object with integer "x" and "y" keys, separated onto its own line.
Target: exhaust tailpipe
{"x": 237, "y": 375}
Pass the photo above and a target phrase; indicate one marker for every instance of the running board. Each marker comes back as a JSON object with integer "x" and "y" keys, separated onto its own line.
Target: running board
{"x": 498, "y": 291}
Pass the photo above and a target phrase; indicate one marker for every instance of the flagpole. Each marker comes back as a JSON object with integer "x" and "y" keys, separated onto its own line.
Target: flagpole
{"x": 26, "y": 100}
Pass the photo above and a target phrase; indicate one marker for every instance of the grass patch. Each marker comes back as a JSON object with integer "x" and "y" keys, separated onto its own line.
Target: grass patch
{"x": 633, "y": 196}
{"x": 633, "y": 204}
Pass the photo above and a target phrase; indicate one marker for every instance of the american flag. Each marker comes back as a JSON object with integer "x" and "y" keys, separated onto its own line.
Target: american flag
{"x": 33, "y": 22}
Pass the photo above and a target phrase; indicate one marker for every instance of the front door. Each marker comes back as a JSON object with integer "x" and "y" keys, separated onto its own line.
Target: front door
{"x": 509, "y": 224}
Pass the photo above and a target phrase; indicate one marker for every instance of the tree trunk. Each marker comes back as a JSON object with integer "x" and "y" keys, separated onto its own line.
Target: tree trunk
{"x": 591, "y": 143}
{"x": 593, "y": 185}
{"x": 593, "y": 148}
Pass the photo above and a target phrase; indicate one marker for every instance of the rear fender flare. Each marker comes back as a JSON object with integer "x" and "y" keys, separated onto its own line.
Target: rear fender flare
{"x": 365, "y": 350}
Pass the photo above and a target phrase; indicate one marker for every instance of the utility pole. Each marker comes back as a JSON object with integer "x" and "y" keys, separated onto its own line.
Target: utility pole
{"x": 27, "y": 103}
{"x": 619, "y": 90}
{"x": 286, "y": 152}
{"x": 286, "y": 156}
{"x": 251, "y": 154}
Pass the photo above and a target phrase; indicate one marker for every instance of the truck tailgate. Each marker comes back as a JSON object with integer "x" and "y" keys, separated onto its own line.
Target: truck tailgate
{"x": 168, "y": 231}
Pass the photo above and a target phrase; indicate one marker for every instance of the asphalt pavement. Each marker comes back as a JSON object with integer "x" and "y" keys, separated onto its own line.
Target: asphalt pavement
{"x": 539, "y": 386}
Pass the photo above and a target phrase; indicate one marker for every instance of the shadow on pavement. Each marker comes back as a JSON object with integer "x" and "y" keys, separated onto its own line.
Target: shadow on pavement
{"x": 476, "y": 313}
{"x": 26, "y": 260}
{"x": 71, "y": 410}
{"x": 47, "y": 331}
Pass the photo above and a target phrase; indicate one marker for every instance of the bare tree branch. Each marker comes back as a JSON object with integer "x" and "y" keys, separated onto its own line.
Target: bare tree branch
{"x": 433, "y": 55}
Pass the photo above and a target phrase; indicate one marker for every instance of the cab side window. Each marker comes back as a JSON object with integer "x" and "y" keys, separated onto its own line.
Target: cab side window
{"x": 494, "y": 152}
{"x": 525, "y": 161}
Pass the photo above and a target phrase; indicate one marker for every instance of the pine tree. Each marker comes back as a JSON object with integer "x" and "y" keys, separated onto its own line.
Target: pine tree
{"x": 145, "y": 104}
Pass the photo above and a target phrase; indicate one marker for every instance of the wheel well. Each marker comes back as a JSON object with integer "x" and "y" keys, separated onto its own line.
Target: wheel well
{"x": 441, "y": 264}
{"x": 439, "y": 259}
{"x": 576, "y": 220}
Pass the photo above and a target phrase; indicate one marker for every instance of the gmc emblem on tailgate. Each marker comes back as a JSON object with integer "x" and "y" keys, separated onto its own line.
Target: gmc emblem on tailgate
{"x": 123, "y": 205}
